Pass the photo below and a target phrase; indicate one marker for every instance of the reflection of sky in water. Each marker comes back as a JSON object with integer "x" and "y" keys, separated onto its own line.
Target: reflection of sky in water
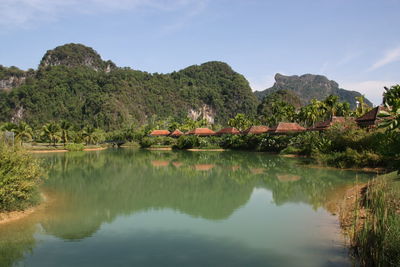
{"x": 131, "y": 208}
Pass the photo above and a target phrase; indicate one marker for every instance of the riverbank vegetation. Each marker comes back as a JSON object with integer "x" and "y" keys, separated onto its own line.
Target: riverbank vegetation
{"x": 20, "y": 176}
{"x": 375, "y": 222}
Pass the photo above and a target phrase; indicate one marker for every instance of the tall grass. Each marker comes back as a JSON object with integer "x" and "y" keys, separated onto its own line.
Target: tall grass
{"x": 377, "y": 242}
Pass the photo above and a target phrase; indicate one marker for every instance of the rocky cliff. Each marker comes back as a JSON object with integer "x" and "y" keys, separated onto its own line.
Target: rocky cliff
{"x": 309, "y": 86}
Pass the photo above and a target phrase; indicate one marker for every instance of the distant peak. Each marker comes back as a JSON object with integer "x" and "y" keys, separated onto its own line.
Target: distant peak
{"x": 73, "y": 55}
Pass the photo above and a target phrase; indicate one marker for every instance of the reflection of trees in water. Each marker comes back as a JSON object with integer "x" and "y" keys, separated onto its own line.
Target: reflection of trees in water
{"x": 93, "y": 188}
{"x": 16, "y": 239}
{"x": 97, "y": 187}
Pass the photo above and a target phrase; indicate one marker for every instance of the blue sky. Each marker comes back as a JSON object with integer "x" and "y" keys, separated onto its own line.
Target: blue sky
{"x": 354, "y": 42}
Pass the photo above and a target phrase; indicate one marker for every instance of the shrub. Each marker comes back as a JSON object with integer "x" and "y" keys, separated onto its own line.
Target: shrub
{"x": 74, "y": 147}
{"x": 352, "y": 158}
{"x": 274, "y": 143}
{"x": 308, "y": 143}
{"x": 20, "y": 175}
{"x": 146, "y": 142}
{"x": 187, "y": 142}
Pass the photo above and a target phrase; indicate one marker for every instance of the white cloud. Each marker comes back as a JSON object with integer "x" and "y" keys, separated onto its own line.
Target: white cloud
{"x": 24, "y": 13}
{"x": 373, "y": 90}
{"x": 389, "y": 57}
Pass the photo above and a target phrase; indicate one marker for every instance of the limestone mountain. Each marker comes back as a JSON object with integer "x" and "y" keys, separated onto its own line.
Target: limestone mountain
{"x": 309, "y": 86}
{"x": 73, "y": 55}
{"x": 13, "y": 77}
{"x": 74, "y": 83}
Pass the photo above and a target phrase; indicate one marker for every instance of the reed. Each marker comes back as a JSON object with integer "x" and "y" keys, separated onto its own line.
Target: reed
{"x": 377, "y": 241}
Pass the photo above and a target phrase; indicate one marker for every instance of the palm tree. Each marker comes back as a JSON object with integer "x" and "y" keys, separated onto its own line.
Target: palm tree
{"x": 65, "y": 131}
{"x": 23, "y": 132}
{"x": 331, "y": 103}
{"x": 51, "y": 131}
{"x": 240, "y": 122}
{"x": 88, "y": 134}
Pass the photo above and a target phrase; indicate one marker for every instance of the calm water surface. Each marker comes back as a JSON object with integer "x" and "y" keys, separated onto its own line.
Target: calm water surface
{"x": 161, "y": 208}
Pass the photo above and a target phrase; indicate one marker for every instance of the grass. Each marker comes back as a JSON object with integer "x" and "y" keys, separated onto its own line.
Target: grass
{"x": 377, "y": 241}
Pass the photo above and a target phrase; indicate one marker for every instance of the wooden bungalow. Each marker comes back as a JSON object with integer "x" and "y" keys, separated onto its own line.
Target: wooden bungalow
{"x": 229, "y": 130}
{"x": 286, "y": 127}
{"x": 160, "y": 133}
{"x": 370, "y": 119}
{"x": 201, "y": 132}
{"x": 176, "y": 133}
{"x": 325, "y": 125}
{"x": 256, "y": 130}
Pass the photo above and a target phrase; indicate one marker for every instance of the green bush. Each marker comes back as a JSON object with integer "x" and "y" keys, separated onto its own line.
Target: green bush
{"x": 74, "y": 147}
{"x": 20, "y": 175}
{"x": 308, "y": 143}
{"x": 352, "y": 158}
{"x": 274, "y": 143}
{"x": 187, "y": 142}
{"x": 146, "y": 142}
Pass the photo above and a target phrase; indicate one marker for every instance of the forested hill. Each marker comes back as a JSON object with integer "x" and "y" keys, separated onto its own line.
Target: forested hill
{"x": 74, "y": 83}
{"x": 309, "y": 86}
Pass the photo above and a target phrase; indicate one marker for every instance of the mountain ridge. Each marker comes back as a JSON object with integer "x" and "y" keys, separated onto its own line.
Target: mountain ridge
{"x": 309, "y": 86}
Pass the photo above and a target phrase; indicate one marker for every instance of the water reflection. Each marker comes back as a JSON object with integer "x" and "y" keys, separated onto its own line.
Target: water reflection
{"x": 87, "y": 190}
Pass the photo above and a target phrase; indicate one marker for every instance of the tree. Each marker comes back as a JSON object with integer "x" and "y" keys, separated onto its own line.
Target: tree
{"x": 391, "y": 99}
{"x": 343, "y": 109}
{"x": 312, "y": 112}
{"x": 331, "y": 103}
{"x": 362, "y": 107}
{"x": 51, "y": 131}
{"x": 92, "y": 135}
{"x": 240, "y": 122}
{"x": 23, "y": 132}
{"x": 280, "y": 111}
{"x": 65, "y": 131}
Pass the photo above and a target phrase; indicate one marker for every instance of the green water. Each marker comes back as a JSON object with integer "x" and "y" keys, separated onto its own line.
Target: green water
{"x": 162, "y": 208}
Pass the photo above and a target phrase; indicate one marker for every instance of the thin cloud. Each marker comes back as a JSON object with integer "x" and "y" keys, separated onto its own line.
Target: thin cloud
{"x": 389, "y": 57}
{"x": 373, "y": 90}
{"x": 25, "y": 13}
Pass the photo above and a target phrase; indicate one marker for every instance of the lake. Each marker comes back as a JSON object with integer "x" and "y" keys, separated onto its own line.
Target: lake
{"x": 125, "y": 207}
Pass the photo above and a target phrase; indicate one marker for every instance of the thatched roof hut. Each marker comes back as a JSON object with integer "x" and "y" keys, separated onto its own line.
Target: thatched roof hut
{"x": 229, "y": 130}
{"x": 159, "y": 133}
{"x": 201, "y": 132}
{"x": 371, "y": 119}
{"x": 324, "y": 125}
{"x": 256, "y": 130}
{"x": 286, "y": 127}
{"x": 176, "y": 133}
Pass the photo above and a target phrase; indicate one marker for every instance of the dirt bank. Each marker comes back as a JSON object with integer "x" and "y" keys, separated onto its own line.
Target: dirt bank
{"x": 348, "y": 209}
{"x": 7, "y": 217}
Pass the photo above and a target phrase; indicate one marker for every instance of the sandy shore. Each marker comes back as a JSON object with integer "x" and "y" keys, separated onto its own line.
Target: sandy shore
{"x": 7, "y": 217}
{"x": 64, "y": 150}
{"x": 205, "y": 149}
{"x": 159, "y": 148}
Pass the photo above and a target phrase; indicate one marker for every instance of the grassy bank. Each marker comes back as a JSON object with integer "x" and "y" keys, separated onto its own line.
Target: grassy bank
{"x": 20, "y": 175}
{"x": 374, "y": 229}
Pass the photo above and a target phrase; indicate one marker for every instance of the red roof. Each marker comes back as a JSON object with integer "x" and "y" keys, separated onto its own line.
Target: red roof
{"x": 286, "y": 127}
{"x": 176, "y": 133}
{"x": 229, "y": 130}
{"x": 160, "y": 133}
{"x": 256, "y": 130}
{"x": 371, "y": 117}
{"x": 201, "y": 132}
{"x": 323, "y": 125}
{"x": 372, "y": 114}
